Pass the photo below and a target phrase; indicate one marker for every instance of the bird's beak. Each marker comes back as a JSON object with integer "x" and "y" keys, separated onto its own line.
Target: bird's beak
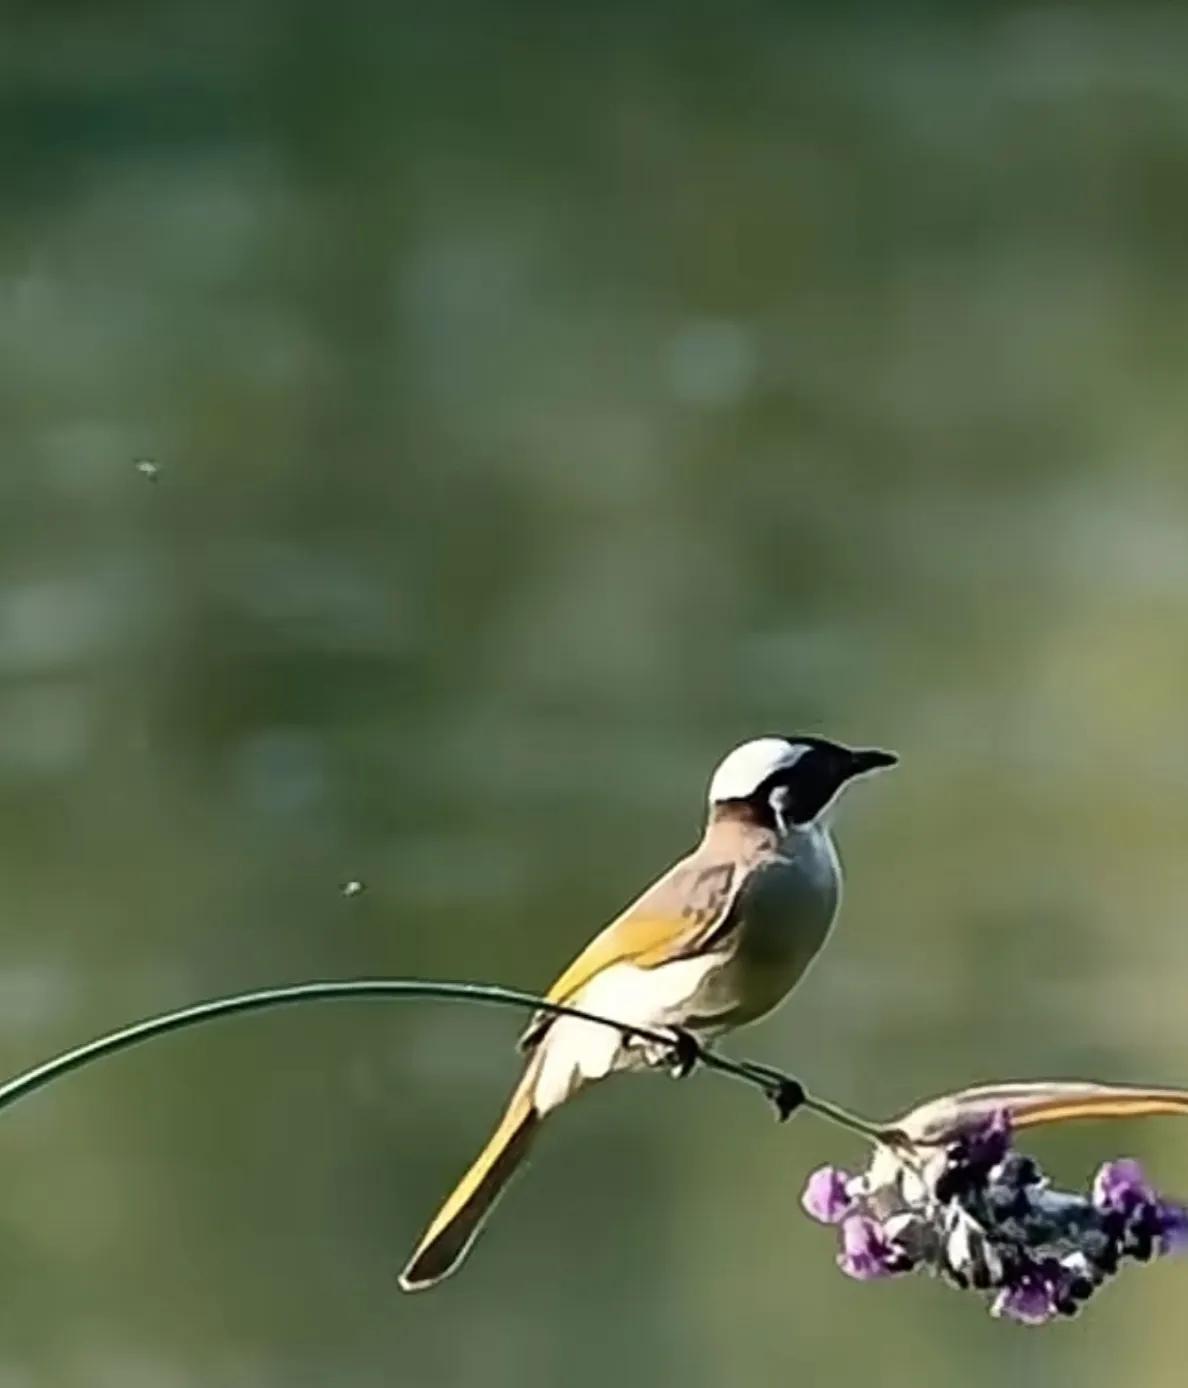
{"x": 870, "y": 760}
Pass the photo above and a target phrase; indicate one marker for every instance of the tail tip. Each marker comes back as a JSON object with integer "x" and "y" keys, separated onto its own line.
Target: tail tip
{"x": 450, "y": 1237}
{"x": 416, "y": 1277}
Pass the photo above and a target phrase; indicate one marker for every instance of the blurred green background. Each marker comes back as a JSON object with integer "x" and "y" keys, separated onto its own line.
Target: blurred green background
{"x": 544, "y": 399}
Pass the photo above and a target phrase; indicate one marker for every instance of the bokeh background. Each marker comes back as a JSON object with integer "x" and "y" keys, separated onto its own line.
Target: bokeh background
{"x": 544, "y": 398}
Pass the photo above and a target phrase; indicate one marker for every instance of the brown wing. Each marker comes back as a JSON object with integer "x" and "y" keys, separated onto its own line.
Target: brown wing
{"x": 677, "y": 915}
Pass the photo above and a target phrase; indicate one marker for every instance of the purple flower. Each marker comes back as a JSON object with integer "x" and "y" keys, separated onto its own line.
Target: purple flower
{"x": 946, "y": 1193}
{"x": 1173, "y": 1227}
{"x": 825, "y": 1197}
{"x": 1121, "y": 1187}
{"x": 1030, "y": 1300}
{"x": 988, "y": 1142}
{"x": 866, "y": 1252}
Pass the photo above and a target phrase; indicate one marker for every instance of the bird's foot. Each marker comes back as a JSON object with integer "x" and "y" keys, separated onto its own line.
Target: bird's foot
{"x": 787, "y": 1095}
{"x": 685, "y": 1054}
{"x": 678, "y": 1055}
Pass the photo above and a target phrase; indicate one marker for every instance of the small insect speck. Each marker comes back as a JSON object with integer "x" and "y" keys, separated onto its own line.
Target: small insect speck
{"x": 147, "y": 468}
{"x": 353, "y": 888}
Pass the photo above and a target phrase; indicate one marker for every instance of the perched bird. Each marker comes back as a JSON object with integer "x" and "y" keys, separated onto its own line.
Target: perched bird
{"x": 713, "y": 944}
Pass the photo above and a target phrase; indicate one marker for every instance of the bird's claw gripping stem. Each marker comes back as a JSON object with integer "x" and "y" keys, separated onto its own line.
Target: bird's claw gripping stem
{"x": 686, "y": 1053}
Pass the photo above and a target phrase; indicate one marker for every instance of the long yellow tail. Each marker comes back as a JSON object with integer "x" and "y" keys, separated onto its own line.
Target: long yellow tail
{"x": 457, "y": 1224}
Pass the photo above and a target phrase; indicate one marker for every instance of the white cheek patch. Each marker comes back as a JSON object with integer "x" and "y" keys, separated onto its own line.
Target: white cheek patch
{"x": 745, "y": 769}
{"x": 780, "y": 801}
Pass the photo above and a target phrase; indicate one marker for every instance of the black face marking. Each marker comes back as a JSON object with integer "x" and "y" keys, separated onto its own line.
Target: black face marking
{"x": 805, "y": 789}
{"x": 796, "y": 794}
{"x": 802, "y": 791}
{"x": 819, "y": 744}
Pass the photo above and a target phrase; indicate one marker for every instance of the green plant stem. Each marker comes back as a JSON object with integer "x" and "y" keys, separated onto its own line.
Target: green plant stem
{"x": 768, "y": 1079}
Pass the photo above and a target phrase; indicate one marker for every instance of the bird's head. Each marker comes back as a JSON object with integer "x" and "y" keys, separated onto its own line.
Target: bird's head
{"x": 788, "y": 782}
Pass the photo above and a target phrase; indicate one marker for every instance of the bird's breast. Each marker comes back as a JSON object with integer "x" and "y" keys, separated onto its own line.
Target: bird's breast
{"x": 785, "y": 912}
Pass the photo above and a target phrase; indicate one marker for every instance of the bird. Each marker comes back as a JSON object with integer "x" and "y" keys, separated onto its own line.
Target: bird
{"x": 716, "y": 942}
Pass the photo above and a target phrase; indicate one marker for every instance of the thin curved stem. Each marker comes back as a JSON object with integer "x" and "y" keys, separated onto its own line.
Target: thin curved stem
{"x": 845, "y": 1118}
{"x": 768, "y": 1079}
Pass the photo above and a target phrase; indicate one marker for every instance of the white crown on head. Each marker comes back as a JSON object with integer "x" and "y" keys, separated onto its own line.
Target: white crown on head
{"x": 741, "y": 772}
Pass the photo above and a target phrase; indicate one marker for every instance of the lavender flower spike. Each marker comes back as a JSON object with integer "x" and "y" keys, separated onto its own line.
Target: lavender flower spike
{"x": 947, "y": 1193}
{"x": 825, "y": 1198}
